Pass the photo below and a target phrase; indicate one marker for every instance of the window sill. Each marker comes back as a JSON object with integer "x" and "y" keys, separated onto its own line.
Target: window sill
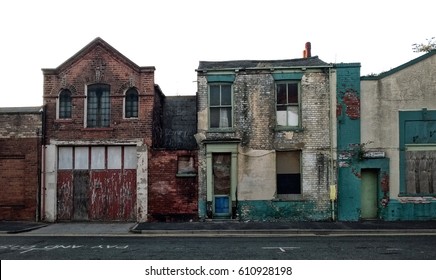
{"x": 288, "y": 128}
{"x": 288, "y": 197}
{"x": 180, "y": 175}
{"x": 63, "y": 121}
{"x": 221, "y": 130}
{"x": 417, "y": 195}
{"x": 97, "y": 129}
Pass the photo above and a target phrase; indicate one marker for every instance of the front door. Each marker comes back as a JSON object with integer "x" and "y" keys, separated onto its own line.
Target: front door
{"x": 368, "y": 197}
{"x": 221, "y": 168}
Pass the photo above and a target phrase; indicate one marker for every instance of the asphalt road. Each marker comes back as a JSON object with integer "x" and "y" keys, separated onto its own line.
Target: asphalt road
{"x": 410, "y": 247}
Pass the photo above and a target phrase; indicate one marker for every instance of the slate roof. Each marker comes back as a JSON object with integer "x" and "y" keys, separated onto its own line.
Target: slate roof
{"x": 20, "y": 110}
{"x": 93, "y": 44}
{"x": 313, "y": 61}
{"x": 180, "y": 122}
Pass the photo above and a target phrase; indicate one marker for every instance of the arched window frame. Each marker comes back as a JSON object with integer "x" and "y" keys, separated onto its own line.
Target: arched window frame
{"x": 64, "y": 104}
{"x": 98, "y": 105}
{"x": 131, "y": 103}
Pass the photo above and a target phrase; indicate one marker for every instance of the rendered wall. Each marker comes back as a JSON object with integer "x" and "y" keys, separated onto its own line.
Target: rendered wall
{"x": 407, "y": 88}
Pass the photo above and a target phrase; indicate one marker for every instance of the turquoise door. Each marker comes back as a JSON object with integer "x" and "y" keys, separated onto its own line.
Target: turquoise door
{"x": 368, "y": 196}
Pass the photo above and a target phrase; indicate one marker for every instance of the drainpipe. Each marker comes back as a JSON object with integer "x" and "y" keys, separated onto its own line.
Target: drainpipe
{"x": 43, "y": 163}
{"x": 332, "y": 142}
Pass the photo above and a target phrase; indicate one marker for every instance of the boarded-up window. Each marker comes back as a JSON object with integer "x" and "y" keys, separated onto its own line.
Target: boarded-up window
{"x": 421, "y": 172}
{"x": 65, "y": 158}
{"x": 288, "y": 172}
{"x": 185, "y": 165}
{"x": 130, "y": 159}
{"x": 81, "y": 158}
{"x": 114, "y": 157}
{"x": 97, "y": 157}
{"x": 221, "y": 164}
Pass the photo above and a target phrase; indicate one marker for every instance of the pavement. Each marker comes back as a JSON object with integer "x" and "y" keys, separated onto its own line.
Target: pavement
{"x": 218, "y": 227}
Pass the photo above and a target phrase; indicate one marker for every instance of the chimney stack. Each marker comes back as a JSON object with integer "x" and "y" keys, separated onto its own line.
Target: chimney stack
{"x": 307, "y": 51}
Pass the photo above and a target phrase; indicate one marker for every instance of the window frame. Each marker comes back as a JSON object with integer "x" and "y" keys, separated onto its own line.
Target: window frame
{"x": 190, "y": 171}
{"x": 64, "y": 106}
{"x": 418, "y": 189}
{"x": 220, "y": 106}
{"x": 288, "y": 104}
{"x": 100, "y": 114}
{"x": 290, "y": 196}
{"x": 130, "y": 108}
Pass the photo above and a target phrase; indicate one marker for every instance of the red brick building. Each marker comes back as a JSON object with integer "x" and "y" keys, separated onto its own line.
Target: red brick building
{"x": 20, "y": 150}
{"x": 105, "y": 129}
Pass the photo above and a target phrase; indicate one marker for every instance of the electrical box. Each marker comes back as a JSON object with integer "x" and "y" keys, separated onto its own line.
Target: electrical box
{"x": 333, "y": 193}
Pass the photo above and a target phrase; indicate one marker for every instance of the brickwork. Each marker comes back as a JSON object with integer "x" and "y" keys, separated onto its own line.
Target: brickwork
{"x": 254, "y": 126}
{"x": 171, "y": 197}
{"x": 160, "y": 131}
{"x": 19, "y": 165}
{"x": 99, "y": 64}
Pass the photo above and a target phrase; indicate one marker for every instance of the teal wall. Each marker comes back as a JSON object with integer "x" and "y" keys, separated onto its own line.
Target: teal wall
{"x": 400, "y": 211}
{"x": 348, "y": 140}
{"x": 415, "y": 128}
{"x": 267, "y": 210}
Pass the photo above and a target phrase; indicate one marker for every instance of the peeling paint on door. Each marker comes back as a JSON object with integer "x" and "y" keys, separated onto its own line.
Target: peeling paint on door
{"x": 97, "y": 194}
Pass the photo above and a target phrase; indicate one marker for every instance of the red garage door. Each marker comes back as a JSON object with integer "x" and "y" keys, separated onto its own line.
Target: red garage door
{"x": 96, "y": 183}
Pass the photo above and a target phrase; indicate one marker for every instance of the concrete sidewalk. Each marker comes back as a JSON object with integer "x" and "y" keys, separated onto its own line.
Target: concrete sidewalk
{"x": 320, "y": 228}
{"x": 219, "y": 227}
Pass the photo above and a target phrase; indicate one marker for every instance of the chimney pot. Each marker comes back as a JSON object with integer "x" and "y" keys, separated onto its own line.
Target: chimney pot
{"x": 307, "y": 50}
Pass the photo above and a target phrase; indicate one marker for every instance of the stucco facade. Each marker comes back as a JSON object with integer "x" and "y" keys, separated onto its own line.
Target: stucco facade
{"x": 398, "y": 118}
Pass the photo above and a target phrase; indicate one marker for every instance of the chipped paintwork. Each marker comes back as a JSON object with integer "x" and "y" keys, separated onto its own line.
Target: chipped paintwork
{"x": 352, "y": 101}
{"x": 267, "y": 210}
{"x": 65, "y": 195}
{"x": 111, "y": 195}
{"x": 385, "y": 182}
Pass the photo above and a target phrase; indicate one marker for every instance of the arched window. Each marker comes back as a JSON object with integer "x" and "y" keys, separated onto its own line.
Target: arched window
{"x": 65, "y": 104}
{"x": 98, "y": 105}
{"x": 131, "y": 103}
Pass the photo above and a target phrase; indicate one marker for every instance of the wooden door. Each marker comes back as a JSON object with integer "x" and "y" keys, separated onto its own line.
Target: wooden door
{"x": 80, "y": 195}
{"x": 369, "y": 194}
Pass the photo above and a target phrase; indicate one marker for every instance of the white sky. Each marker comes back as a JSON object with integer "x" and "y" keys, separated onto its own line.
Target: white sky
{"x": 174, "y": 35}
